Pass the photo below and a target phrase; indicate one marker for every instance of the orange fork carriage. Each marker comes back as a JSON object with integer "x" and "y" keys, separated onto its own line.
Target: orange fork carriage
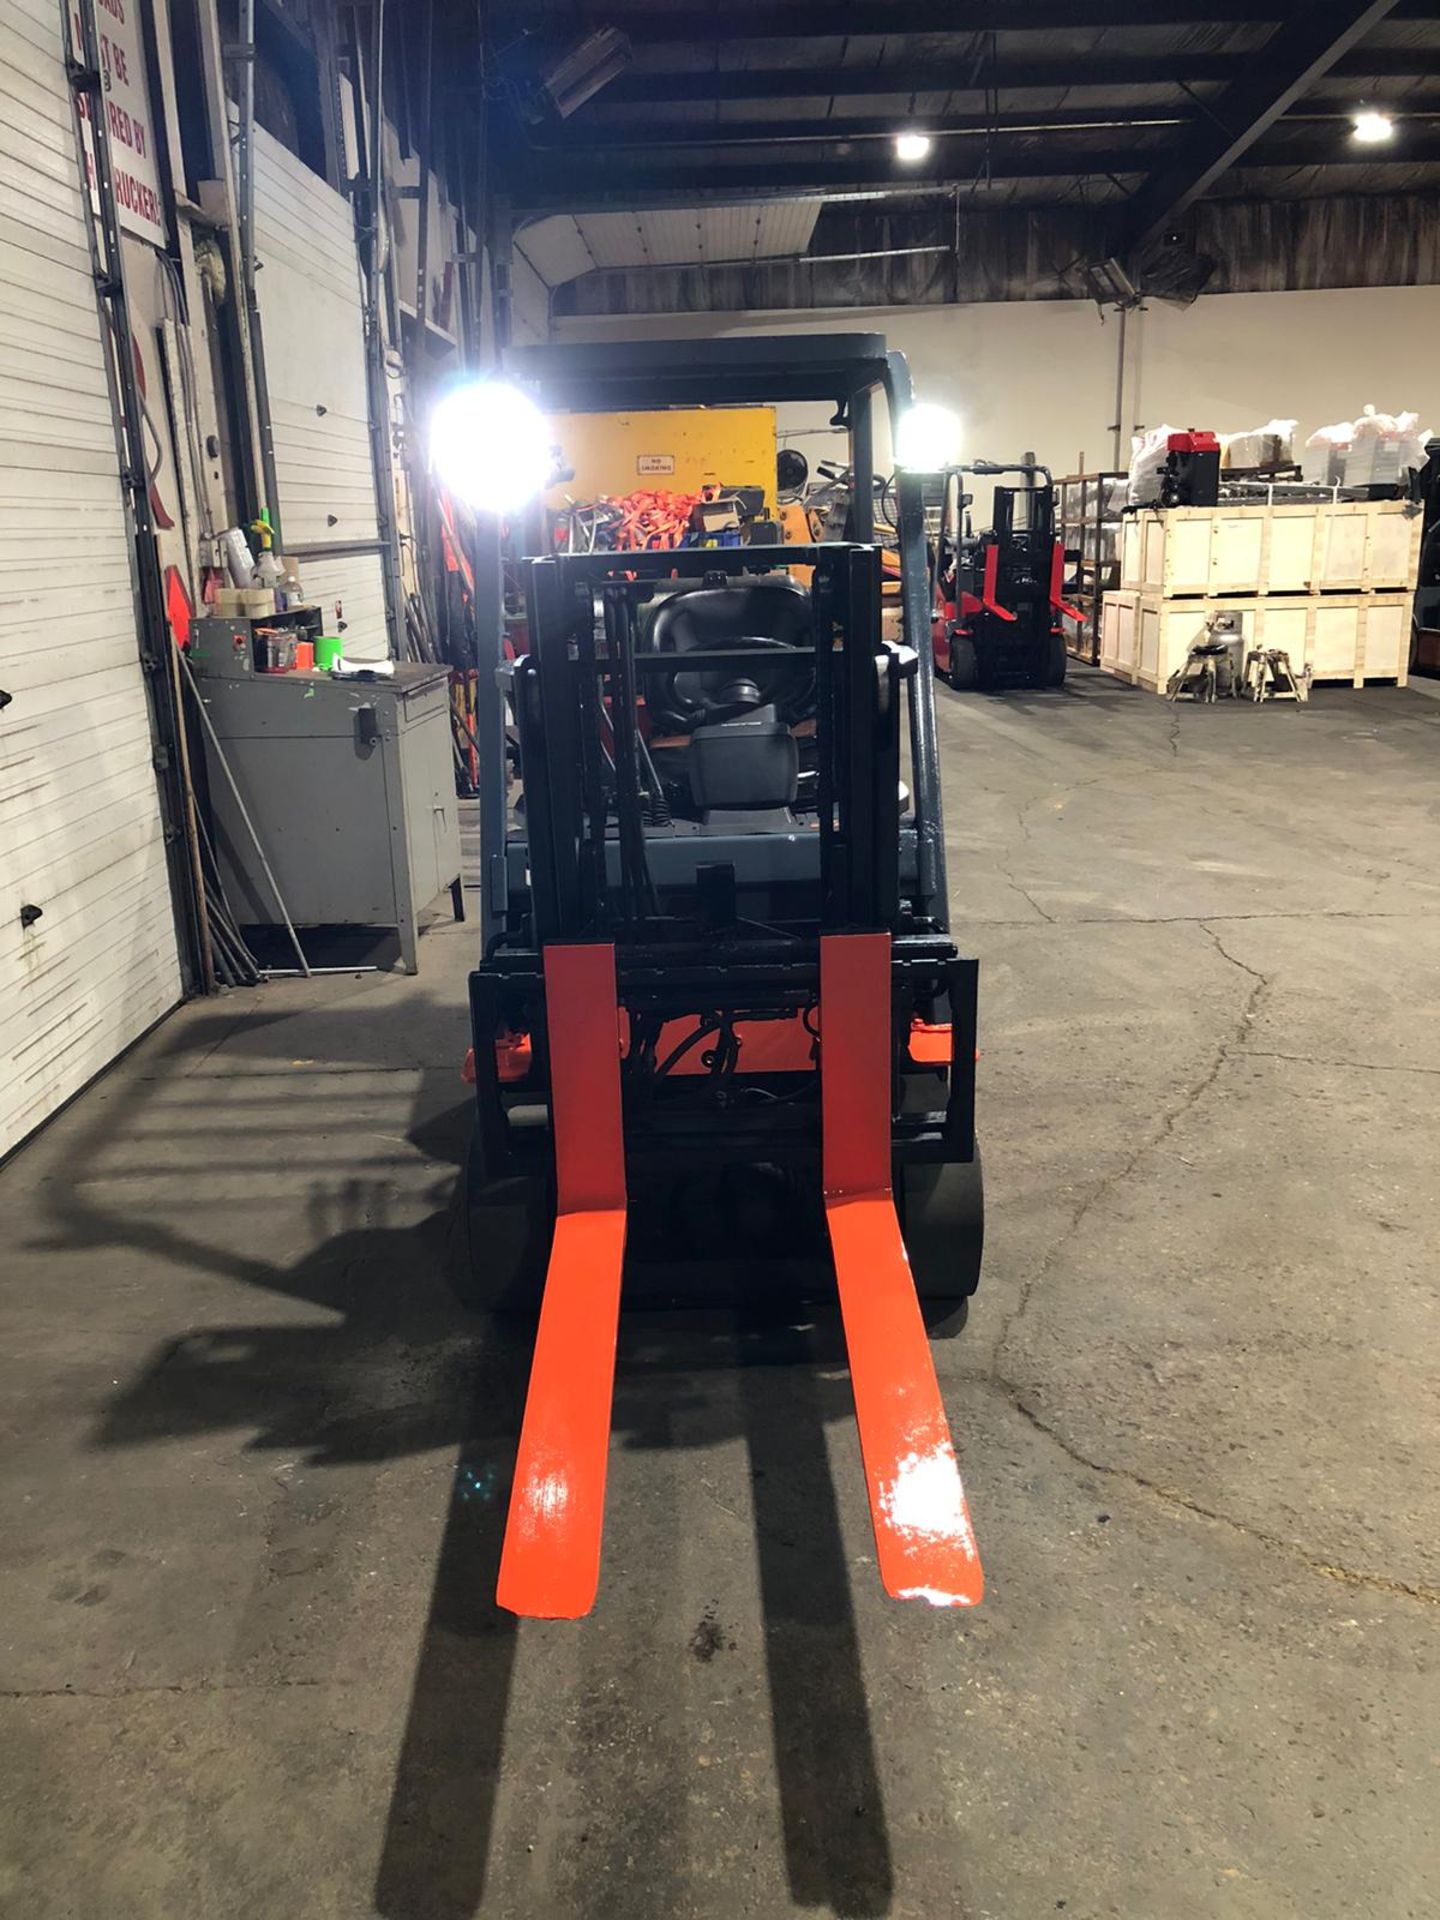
{"x": 550, "y": 1564}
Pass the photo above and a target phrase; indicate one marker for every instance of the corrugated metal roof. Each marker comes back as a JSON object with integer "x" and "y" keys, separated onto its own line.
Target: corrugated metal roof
{"x": 617, "y": 239}
{"x": 737, "y": 98}
{"x": 555, "y": 249}
{"x": 1006, "y": 252}
{"x": 563, "y": 247}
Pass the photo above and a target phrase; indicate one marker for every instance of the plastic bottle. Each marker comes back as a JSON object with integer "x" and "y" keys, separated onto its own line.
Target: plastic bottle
{"x": 239, "y": 561}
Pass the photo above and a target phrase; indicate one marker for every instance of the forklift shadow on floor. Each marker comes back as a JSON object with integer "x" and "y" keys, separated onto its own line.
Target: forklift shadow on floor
{"x": 771, "y": 1372}
{"x": 391, "y": 1367}
{"x": 705, "y": 1376}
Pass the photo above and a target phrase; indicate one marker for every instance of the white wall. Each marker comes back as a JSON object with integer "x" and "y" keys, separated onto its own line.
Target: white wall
{"x": 1035, "y": 375}
{"x": 1041, "y": 374}
{"x": 1234, "y": 360}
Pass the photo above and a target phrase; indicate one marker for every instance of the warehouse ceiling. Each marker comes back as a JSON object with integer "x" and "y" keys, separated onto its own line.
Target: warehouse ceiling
{"x": 1137, "y": 117}
{"x": 563, "y": 246}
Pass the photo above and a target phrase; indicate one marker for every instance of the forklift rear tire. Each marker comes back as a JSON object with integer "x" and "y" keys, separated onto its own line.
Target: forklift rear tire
{"x": 502, "y": 1245}
{"x": 944, "y": 1225}
{"x": 1055, "y": 659}
{"x": 964, "y": 674}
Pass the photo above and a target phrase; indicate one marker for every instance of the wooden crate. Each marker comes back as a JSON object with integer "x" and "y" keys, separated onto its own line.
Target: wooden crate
{"x": 1117, "y": 632}
{"x": 1145, "y": 637}
{"x": 1348, "y": 546}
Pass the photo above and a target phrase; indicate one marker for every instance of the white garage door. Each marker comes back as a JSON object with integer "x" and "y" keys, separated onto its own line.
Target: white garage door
{"x": 80, "y": 828}
{"x": 314, "y": 336}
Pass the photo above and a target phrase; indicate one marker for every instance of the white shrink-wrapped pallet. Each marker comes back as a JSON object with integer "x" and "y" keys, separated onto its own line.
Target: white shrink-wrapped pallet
{"x": 1272, "y": 445}
{"x": 1374, "y": 449}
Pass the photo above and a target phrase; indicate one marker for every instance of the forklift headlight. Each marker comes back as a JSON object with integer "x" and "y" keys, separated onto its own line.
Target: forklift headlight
{"x": 491, "y": 447}
{"x": 927, "y": 439}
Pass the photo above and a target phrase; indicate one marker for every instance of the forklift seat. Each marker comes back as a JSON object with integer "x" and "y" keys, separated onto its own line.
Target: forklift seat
{"x": 767, "y": 606}
{"x": 742, "y": 759}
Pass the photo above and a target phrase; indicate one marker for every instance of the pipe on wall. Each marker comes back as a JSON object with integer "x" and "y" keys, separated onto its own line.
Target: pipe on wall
{"x": 244, "y": 56}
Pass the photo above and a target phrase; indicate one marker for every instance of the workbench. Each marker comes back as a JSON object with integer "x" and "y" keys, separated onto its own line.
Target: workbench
{"x": 350, "y": 786}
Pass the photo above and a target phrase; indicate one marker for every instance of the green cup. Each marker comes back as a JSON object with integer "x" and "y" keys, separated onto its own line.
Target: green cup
{"x": 328, "y": 652}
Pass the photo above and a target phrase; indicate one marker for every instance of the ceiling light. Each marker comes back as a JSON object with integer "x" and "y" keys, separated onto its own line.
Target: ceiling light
{"x": 927, "y": 439}
{"x": 588, "y": 66}
{"x": 490, "y": 445}
{"x": 911, "y": 147}
{"x": 1372, "y": 129}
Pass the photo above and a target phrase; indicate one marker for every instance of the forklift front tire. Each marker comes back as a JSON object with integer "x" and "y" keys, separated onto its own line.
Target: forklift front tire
{"x": 964, "y": 674}
{"x": 943, "y": 1221}
{"x": 503, "y": 1241}
{"x": 1055, "y": 658}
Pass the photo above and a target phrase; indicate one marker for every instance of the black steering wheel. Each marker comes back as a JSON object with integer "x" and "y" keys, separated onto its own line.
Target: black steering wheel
{"x": 686, "y": 700}
{"x": 770, "y": 614}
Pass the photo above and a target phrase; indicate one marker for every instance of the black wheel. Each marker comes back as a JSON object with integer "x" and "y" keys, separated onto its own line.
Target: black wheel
{"x": 1053, "y": 671}
{"x": 943, "y": 1218}
{"x": 964, "y": 674}
{"x": 502, "y": 1243}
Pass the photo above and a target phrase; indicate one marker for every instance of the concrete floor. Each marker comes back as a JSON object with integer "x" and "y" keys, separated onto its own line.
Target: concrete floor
{"x": 250, "y": 1662}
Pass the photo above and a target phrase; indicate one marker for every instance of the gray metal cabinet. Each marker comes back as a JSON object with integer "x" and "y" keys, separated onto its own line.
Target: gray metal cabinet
{"x": 351, "y": 787}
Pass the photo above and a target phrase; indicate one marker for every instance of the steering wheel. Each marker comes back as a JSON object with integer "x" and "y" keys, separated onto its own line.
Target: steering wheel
{"x": 686, "y": 700}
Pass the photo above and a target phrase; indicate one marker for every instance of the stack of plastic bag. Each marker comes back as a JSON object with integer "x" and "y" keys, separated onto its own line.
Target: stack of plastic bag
{"x": 1267, "y": 447}
{"x": 1375, "y": 449}
{"x": 1147, "y": 456}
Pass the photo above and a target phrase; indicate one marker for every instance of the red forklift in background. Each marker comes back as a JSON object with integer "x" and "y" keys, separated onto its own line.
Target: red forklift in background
{"x": 1000, "y": 595}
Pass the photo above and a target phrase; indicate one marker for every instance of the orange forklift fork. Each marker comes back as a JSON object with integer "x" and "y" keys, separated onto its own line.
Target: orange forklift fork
{"x": 550, "y": 1564}
{"x": 923, "y": 1540}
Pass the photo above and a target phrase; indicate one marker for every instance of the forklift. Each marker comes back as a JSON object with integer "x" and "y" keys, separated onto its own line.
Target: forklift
{"x": 720, "y": 1027}
{"x": 1000, "y": 594}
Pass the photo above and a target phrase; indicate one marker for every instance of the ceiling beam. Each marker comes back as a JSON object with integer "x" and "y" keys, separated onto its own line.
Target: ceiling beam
{"x": 1291, "y": 61}
{"x": 725, "y": 21}
{"x": 567, "y": 183}
{"x": 642, "y": 88}
{"x": 778, "y": 136}
{"x": 560, "y": 180}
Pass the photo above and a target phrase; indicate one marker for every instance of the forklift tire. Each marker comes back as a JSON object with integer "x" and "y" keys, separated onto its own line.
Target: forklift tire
{"x": 964, "y": 674}
{"x": 943, "y": 1220}
{"x": 1055, "y": 659}
{"x": 502, "y": 1246}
